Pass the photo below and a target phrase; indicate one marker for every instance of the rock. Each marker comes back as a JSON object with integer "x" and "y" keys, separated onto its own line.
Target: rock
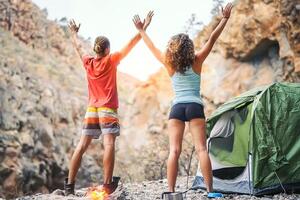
{"x": 58, "y": 192}
{"x": 2, "y": 151}
{"x": 10, "y": 183}
{"x": 297, "y": 64}
{"x": 5, "y": 171}
{"x": 11, "y": 152}
{"x": 267, "y": 1}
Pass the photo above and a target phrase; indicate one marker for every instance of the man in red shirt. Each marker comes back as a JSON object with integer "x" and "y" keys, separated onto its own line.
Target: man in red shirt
{"x": 101, "y": 116}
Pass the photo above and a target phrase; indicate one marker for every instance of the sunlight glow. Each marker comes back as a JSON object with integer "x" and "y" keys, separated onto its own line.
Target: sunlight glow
{"x": 113, "y": 19}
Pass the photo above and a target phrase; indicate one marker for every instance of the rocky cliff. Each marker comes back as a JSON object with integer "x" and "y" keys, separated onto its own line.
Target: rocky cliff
{"x": 260, "y": 45}
{"x": 43, "y": 95}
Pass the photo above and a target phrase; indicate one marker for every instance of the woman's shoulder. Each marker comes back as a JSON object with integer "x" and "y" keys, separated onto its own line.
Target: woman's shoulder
{"x": 169, "y": 69}
{"x": 197, "y": 68}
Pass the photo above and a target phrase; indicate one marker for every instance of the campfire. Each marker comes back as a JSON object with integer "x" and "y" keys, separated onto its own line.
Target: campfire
{"x": 97, "y": 193}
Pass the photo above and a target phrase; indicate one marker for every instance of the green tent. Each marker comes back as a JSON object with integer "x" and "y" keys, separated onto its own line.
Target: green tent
{"x": 254, "y": 142}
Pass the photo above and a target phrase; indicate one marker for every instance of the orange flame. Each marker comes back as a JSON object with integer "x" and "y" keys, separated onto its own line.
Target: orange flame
{"x": 98, "y": 194}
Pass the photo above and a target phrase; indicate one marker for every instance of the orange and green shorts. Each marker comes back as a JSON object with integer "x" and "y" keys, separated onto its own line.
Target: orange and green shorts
{"x": 98, "y": 121}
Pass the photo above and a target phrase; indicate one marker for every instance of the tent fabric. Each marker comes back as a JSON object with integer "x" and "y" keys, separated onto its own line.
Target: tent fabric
{"x": 224, "y": 127}
{"x": 238, "y": 184}
{"x": 267, "y": 137}
{"x": 234, "y": 103}
{"x": 224, "y": 186}
{"x": 232, "y": 150}
{"x": 276, "y": 135}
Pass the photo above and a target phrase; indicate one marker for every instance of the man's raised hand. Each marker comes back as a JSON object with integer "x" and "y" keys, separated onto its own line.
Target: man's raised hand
{"x": 73, "y": 27}
{"x": 137, "y": 22}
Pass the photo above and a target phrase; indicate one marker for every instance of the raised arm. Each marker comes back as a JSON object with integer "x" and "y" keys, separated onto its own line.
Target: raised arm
{"x": 125, "y": 50}
{"x": 139, "y": 25}
{"x": 137, "y": 37}
{"x": 74, "y": 30}
{"x": 203, "y": 53}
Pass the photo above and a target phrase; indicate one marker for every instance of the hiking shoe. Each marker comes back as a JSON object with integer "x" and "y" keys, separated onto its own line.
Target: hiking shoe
{"x": 69, "y": 187}
{"x": 214, "y": 195}
{"x": 116, "y": 179}
{"x": 111, "y": 187}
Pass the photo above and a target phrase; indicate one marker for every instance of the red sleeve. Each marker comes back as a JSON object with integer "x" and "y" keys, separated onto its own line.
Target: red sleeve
{"x": 116, "y": 58}
{"x": 86, "y": 59}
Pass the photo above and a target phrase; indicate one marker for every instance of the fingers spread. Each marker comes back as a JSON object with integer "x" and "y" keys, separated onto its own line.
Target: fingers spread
{"x": 226, "y": 8}
{"x": 151, "y": 13}
{"x": 230, "y": 5}
{"x": 136, "y": 18}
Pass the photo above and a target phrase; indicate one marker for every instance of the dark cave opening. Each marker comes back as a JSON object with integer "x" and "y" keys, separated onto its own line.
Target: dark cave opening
{"x": 265, "y": 48}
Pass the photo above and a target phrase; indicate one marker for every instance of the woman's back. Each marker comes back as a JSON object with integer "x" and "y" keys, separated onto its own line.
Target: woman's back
{"x": 186, "y": 87}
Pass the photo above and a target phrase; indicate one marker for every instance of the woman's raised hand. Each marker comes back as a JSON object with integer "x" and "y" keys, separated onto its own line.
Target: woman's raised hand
{"x": 227, "y": 11}
{"x": 142, "y": 25}
{"x": 148, "y": 19}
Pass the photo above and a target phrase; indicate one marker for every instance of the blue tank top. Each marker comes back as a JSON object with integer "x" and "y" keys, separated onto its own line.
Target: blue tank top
{"x": 186, "y": 87}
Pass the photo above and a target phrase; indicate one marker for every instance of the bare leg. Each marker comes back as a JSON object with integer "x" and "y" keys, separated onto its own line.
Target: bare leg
{"x": 109, "y": 157}
{"x": 176, "y": 130}
{"x": 77, "y": 156}
{"x": 197, "y": 128}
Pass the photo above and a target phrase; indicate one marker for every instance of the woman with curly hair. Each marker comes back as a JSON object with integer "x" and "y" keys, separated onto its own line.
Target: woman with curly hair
{"x": 184, "y": 67}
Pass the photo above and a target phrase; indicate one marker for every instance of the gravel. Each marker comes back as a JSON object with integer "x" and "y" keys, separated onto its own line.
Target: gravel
{"x": 151, "y": 190}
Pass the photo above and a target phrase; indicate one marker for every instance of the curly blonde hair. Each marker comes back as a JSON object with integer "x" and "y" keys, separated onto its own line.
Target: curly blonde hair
{"x": 180, "y": 53}
{"x": 101, "y": 43}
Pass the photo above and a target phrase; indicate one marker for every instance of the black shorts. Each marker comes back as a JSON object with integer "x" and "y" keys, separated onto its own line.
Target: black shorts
{"x": 187, "y": 111}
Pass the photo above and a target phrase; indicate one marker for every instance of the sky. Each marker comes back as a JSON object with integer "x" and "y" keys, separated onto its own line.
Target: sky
{"x": 113, "y": 19}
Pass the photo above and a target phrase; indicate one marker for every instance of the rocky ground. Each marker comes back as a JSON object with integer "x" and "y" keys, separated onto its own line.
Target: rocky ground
{"x": 151, "y": 190}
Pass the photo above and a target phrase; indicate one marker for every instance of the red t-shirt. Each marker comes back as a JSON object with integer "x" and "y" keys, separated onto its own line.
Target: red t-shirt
{"x": 102, "y": 80}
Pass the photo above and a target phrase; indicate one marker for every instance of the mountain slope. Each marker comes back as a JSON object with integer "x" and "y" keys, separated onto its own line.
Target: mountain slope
{"x": 43, "y": 96}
